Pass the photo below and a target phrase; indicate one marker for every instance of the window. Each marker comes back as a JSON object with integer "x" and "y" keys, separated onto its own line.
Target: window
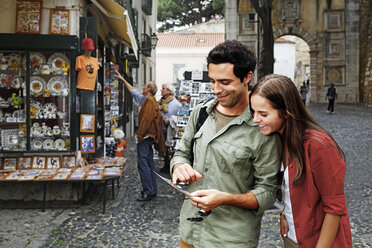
{"x": 334, "y": 21}
{"x": 249, "y": 22}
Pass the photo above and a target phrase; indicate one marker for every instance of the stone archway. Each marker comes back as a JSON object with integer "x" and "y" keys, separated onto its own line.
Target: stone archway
{"x": 331, "y": 29}
{"x": 315, "y": 47}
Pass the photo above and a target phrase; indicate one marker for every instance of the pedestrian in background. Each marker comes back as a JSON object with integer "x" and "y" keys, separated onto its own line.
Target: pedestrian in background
{"x": 234, "y": 167}
{"x": 150, "y": 131}
{"x": 315, "y": 213}
{"x": 303, "y": 92}
{"x": 169, "y": 107}
{"x": 331, "y": 96}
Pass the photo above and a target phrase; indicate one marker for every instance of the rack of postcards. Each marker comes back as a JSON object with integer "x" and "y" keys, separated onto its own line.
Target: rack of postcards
{"x": 111, "y": 99}
{"x": 194, "y": 89}
{"x": 41, "y": 82}
{"x": 46, "y": 168}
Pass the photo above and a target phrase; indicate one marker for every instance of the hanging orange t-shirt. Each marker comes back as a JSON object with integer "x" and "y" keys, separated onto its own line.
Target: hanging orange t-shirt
{"x": 120, "y": 148}
{"x": 87, "y": 68}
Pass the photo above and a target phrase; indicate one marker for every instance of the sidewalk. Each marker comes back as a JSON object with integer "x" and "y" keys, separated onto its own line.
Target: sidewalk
{"x": 128, "y": 223}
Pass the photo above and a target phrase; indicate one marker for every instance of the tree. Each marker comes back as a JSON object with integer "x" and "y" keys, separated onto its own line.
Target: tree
{"x": 178, "y": 13}
{"x": 266, "y": 62}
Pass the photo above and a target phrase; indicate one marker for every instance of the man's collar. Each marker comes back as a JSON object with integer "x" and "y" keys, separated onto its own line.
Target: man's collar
{"x": 246, "y": 116}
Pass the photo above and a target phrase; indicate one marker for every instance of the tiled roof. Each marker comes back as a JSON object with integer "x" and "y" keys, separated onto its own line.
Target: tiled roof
{"x": 190, "y": 39}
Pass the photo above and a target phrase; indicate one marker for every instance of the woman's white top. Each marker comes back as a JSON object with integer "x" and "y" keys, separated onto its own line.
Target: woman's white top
{"x": 288, "y": 206}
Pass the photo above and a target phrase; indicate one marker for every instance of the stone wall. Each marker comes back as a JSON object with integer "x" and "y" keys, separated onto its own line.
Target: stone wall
{"x": 366, "y": 49}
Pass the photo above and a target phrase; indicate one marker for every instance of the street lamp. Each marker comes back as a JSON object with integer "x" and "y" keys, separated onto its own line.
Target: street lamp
{"x": 154, "y": 40}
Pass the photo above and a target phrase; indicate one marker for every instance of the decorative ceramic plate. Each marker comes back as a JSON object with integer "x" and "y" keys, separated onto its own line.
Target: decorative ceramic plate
{"x": 49, "y": 108}
{"x": 4, "y": 78}
{"x": 37, "y": 106}
{"x": 14, "y": 61}
{"x": 4, "y": 62}
{"x": 15, "y": 114}
{"x": 59, "y": 144}
{"x": 57, "y": 60}
{"x": 37, "y": 84}
{"x": 37, "y": 143}
{"x": 36, "y": 60}
{"x": 9, "y": 138}
{"x": 16, "y": 82}
{"x": 56, "y": 85}
{"x": 48, "y": 144}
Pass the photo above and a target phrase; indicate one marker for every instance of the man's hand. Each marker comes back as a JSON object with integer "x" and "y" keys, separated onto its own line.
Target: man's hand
{"x": 184, "y": 173}
{"x": 125, "y": 82}
{"x": 119, "y": 76}
{"x": 166, "y": 121}
{"x": 207, "y": 199}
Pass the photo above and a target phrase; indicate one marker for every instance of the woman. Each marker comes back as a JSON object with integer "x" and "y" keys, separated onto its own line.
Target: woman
{"x": 315, "y": 213}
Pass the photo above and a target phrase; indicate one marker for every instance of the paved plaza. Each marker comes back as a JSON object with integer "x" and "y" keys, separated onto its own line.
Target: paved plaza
{"x": 128, "y": 223}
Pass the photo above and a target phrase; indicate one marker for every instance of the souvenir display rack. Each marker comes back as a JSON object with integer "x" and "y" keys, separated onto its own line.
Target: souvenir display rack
{"x": 196, "y": 91}
{"x": 101, "y": 170}
{"x": 49, "y": 168}
{"x": 37, "y": 93}
{"x": 111, "y": 99}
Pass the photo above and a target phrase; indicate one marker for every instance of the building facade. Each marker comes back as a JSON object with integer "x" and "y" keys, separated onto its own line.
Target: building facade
{"x": 331, "y": 30}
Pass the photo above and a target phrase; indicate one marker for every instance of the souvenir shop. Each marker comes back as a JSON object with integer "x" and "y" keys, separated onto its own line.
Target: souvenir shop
{"x": 49, "y": 132}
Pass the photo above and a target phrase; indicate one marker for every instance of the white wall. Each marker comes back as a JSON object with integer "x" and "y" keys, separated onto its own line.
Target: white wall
{"x": 285, "y": 59}
{"x": 192, "y": 58}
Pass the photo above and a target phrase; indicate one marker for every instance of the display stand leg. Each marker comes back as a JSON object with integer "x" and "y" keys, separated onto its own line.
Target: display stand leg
{"x": 118, "y": 182}
{"x": 83, "y": 193}
{"x": 113, "y": 188}
{"x": 44, "y": 196}
{"x": 104, "y": 197}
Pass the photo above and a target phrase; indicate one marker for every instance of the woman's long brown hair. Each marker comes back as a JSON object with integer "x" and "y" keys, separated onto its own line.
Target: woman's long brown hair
{"x": 284, "y": 97}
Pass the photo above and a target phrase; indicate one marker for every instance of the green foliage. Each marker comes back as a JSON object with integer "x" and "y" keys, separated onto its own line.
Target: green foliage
{"x": 177, "y": 13}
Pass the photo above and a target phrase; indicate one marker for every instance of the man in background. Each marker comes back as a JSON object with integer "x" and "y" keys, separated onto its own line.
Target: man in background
{"x": 149, "y": 132}
{"x": 169, "y": 106}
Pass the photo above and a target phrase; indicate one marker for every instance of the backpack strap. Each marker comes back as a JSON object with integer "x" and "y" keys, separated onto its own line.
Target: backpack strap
{"x": 203, "y": 115}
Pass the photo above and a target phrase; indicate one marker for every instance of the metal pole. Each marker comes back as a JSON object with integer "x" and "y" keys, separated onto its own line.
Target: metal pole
{"x": 258, "y": 40}
{"x": 367, "y": 101}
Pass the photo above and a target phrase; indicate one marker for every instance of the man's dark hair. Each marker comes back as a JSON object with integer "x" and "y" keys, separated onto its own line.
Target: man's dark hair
{"x": 236, "y": 53}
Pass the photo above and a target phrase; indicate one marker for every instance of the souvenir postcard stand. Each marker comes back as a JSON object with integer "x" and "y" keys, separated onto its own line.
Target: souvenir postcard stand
{"x": 37, "y": 93}
{"x": 196, "y": 88}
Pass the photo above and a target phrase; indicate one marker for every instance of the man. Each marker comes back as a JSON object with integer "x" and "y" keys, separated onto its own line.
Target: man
{"x": 235, "y": 167}
{"x": 331, "y": 95}
{"x": 169, "y": 106}
{"x": 149, "y": 132}
{"x": 303, "y": 92}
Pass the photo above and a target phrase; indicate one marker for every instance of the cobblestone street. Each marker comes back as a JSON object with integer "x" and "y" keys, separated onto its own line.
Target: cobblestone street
{"x": 129, "y": 223}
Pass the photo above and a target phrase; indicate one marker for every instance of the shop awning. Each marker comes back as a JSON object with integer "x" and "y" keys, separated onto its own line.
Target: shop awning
{"x": 118, "y": 19}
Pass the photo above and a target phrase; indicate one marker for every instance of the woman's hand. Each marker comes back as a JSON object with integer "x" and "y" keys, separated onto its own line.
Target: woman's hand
{"x": 283, "y": 226}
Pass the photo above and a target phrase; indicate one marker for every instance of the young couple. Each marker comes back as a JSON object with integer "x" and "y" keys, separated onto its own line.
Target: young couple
{"x": 237, "y": 155}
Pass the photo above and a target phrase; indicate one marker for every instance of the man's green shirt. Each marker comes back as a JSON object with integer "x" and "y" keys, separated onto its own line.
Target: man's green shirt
{"x": 237, "y": 159}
